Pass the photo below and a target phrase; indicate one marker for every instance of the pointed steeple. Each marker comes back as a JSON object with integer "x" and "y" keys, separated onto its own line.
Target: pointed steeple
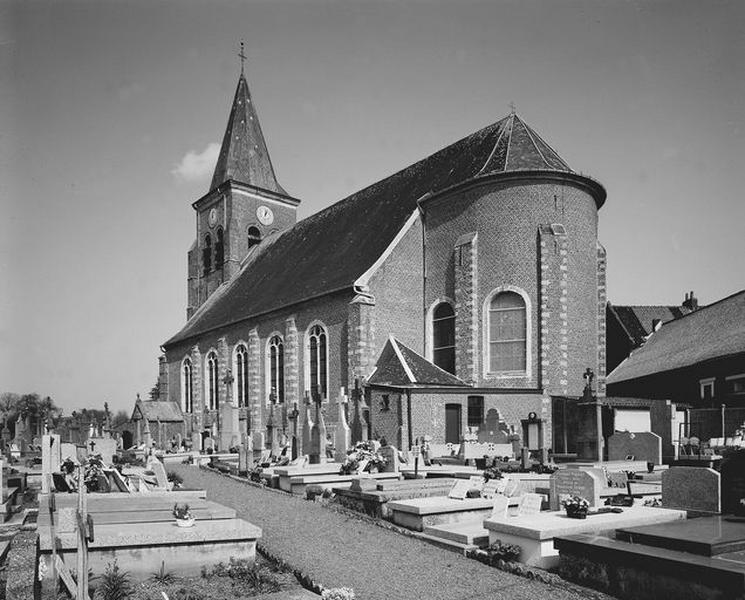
{"x": 243, "y": 156}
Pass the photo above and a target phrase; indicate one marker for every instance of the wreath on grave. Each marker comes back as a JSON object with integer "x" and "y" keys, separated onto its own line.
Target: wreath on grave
{"x": 363, "y": 451}
{"x": 576, "y": 507}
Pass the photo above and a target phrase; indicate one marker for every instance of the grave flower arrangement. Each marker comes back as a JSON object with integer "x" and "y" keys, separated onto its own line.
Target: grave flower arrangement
{"x": 576, "y": 507}
{"x": 363, "y": 451}
{"x": 183, "y": 515}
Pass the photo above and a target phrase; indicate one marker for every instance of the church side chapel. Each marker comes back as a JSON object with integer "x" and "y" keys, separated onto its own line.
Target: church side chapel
{"x": 452, "y": 299}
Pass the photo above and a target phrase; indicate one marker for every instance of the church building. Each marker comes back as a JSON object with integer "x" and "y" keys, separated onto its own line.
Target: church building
{"x": 468, "y": 282}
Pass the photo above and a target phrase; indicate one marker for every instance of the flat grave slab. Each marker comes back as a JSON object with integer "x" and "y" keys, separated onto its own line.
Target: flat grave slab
{"x": 419, "y": 513}
{"x": 638, "y": 466}
{"x": 535, "y": 533}
{"x": 467, "y": 533}
{"x": 654, "y": 572}
{"x": 296, "y": 484}
{"x": 706, "y": 536}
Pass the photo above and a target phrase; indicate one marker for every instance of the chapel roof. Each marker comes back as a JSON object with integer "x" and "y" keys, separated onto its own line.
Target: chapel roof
{"x": 328, "y": 251}
{"x": 399, "y": 366}
{"x": 154, "y": 410}
{"x": 712, "y": 332}
{"x": 636, "y": 321}
{"x": 243, "y": 155}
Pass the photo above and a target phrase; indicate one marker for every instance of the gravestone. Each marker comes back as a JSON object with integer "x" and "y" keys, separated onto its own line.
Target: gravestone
{"x": 390, "y": 454}
{"x": 343, "y": 434}
{"x": 106, "y": 447}
{"x": 307, "y": 425}
{"x": 511, "y": 487}
{"x": 733, "y": 481}
{"x": 697, "y": 489}
{"x": 490, "y": 488}
{"x": 229, "y": 434}
{"x": 500, "y": 507}
{"x": 530, "y": 504}
{"x": 259, "y": 440}
{"x": 525, "y": 458}
{"x": 618, "y": 479}
{"x": 179, "y": 442}
{"x": 68, "y": 450}
{"x": 460, "y": 489}
{"x": 160, "y": 473}
{"x": 364, "y": 484}
{"x": 493, "y": 430}
{"x": 2, "y": 480}
{"x": 209, "y": 444}
{"x": 575, "y": 482}
{"x": 196, "y": 441}
{"x": 645, "y": 445}
{"x": 50, "y": 460}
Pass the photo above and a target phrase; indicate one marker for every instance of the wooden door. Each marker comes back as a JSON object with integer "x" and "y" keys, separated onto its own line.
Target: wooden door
{"x": 452, "y": 423}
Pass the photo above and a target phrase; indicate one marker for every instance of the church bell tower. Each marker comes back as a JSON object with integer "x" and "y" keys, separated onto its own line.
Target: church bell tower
{"x": 244, "y": 206}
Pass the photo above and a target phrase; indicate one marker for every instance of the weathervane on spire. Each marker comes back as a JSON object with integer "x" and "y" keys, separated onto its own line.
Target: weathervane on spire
{"x": 242, "y": 56}
{"x": 513, "y": 108}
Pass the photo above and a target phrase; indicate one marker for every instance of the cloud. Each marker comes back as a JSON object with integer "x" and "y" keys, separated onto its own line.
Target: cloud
{"x": 197, "y": 166}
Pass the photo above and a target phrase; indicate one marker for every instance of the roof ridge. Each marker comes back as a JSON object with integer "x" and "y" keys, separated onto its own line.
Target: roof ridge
{"x": 706, "y": 306}
{"x": 530, "y": 135}
{"x": 494, "y": 149}
{"x": 402, "y": 360}
{"x": 509, "y": 140}
{"x": 549, "y": 146}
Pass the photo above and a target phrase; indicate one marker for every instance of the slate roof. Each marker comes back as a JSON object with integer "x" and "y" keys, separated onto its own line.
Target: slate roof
{"x": 400, "y": 366}
{"x": 711, "y": 332}
{"x": 637, "y": 320}
{"x": 331, "y": 249}
{"x": 243, "y": 154}
{"x": 152, "y": 410}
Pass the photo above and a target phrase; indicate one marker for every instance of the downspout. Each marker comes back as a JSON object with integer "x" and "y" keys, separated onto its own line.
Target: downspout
{"x": 408, "y": 416}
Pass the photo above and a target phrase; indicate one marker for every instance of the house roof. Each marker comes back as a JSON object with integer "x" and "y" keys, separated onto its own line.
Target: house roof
{"x": 153, "y": 410}
{"x": 331, "y": 249}
{"x": 400, "y": 366}
{"x": 711, "y": 332}
{"x": 243, "y": 154}
{"x": 637, "y": 320}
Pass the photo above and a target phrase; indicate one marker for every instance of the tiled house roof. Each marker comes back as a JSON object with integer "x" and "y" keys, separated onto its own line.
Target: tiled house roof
{"x": 400, "y": 366}
{"x": 330, "y": 250}
{"x": 636, "y": 321}
{"x": 152, "y": 410}
{"x": 711, "y": 332}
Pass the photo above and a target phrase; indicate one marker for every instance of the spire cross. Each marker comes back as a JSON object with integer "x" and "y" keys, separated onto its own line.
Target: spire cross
{"x": 513, "y": 108}
{"x": 242, "y": 56}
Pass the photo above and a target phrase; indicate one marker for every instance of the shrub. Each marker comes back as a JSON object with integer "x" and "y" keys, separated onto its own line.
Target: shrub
{"x": 260, "y": 579}
{"x": 338, "y": 594}
{"x": 115, "y": 584}
{"x": 175, "y": 478}
{"x": 161, "y": 575}
{"x": 499, "y": 551}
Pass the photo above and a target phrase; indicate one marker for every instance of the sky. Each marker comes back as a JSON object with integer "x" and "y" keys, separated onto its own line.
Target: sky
{"x": 111, "y": 113}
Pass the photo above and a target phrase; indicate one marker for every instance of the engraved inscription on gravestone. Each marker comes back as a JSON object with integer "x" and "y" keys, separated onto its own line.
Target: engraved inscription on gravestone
{"x": 460, "y": 489}
{"x": 530, "y": 504}
{"x": 500, "y": 507}
{"x": 575, "y": 482}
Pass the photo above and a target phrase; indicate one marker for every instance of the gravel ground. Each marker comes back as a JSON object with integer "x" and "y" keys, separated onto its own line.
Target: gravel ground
{"x": 338, "y": 550}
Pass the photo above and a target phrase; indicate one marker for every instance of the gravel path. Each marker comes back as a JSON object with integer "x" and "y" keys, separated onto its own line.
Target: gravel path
{"x": 336, "y": 550}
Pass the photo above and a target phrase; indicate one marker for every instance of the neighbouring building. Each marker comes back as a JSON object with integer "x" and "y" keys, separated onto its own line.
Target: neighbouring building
{"x": 628, "y": 327}
{"x": 697, "y": 359}
{"x": 473, "y": 279}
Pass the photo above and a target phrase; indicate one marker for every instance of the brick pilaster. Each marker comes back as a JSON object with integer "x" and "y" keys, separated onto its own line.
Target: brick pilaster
{"x": 466, "y": 307}
{"x": 602, "y": 301}
{"x": 224, "y": 363}
{"x": 197, "y": 385}
{"x": 255, "y": 393}
{"x": 360, "y": 338}
{"x": 292, "y": 363}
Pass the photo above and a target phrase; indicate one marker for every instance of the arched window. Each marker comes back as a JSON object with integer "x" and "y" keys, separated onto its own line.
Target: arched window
{"x": 187, "y": 393}
{"x": 254, "y": 236}
{"x": 219, "y": 249}
{"x": 317, "y": 361}
{"x": 507, "y": 333}
{"x": 443, "y": 337}
{"x": 277, "y": 367}
{"x": 213, "y": 401}
{"x": 207, "y": 254}
{"x": 241, "y": 375}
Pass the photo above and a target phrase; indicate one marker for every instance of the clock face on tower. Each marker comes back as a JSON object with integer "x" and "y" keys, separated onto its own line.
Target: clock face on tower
{"x": 265, "y": 215}
{"x": 212, "y": 218}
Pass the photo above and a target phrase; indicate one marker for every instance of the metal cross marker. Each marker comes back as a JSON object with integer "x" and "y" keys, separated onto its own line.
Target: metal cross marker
{"x": 242, "y": 56}
{"x": 513, "y": 108}
{"x": 589, "y": 375}
{"x": 92, "y": 445}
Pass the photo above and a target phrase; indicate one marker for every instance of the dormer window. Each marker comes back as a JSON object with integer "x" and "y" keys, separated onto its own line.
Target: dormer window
{"x": 219, "y": 249}
{"x": 254, "y": 237}
{"x": 207, "y": 254}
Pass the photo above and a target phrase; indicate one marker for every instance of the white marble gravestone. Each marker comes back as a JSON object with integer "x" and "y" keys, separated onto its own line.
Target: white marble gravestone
{"x": 51, "y": 459}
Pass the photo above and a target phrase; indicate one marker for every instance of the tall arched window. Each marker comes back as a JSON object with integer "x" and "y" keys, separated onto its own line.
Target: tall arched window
{"x": 443, "y": 337}
{"x": 317, "y": 361}
{"x": 241, "y": 375}
{"x": 254, "y": 236}
{"x": 187, "y": 393}
{"x": 507, "y": 333}
{"x": 219, "y": 249}
{"x": 277, "y": 367}
{"x": 207, "y": 254}
{"x": 213, "y": 401}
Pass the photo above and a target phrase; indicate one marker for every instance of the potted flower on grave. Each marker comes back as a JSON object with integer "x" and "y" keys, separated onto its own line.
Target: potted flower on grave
{"x": 184, "y": 518}
{"x": 361, "y": 453}
{"x": 576, "y": 507}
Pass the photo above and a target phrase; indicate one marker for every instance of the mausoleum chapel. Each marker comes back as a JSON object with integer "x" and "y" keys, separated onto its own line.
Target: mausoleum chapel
{"x": 467, "y": 288}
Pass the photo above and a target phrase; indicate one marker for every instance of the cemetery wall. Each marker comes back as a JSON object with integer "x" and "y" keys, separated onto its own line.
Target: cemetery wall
{"x": 506, "y": 216}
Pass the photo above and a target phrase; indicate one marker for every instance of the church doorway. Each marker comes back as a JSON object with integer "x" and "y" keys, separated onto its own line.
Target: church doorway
{"x": 452, "y": 423}
{"x": 127, "y": 439}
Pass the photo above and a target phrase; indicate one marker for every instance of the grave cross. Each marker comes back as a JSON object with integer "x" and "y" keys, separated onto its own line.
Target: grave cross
{"x": 92, "y": 444}
{"x": 228, "y": 381}
{"x": 242, "y": 56}
{"x": 589, "y": 376}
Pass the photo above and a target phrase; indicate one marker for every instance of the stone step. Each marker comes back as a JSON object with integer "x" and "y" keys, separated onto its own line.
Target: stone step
{"x": 468, "y": 533}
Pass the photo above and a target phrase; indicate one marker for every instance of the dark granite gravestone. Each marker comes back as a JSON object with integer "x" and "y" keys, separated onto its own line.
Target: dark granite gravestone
{"x": 733, "y": 482}
{"x": 644, "y": 445}
{"x": 493, "y": 430}
{"x": 695, "y": 489}
{"x": 575, "y": 482}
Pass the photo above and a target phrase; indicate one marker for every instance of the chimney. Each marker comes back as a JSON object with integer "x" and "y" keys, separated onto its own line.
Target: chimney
{"x": 656, "y": 324}
{"x": 691, "y": 302}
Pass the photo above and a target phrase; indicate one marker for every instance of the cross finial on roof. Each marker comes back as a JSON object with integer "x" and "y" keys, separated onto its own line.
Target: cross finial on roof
{"x": 242, "y": 56}
{"x": 513, "y": 108}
